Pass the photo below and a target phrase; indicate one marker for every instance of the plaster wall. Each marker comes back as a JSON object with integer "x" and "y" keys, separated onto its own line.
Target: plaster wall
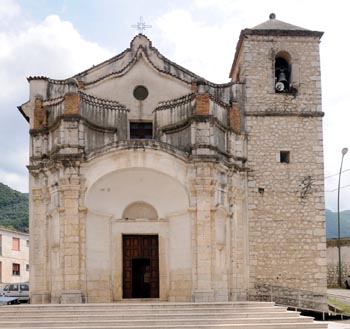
{"x": 9, "y": 256}
{"x": 160, "y": 88}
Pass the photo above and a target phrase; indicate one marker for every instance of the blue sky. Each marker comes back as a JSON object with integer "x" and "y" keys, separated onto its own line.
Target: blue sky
{"x": 59, "y": 38}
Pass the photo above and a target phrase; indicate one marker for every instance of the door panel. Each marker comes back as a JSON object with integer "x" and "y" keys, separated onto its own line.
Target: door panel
{"x": 140, "y": 266}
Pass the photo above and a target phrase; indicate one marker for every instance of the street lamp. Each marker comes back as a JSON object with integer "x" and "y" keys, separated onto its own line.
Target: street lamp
{"x": 343, "y": 152}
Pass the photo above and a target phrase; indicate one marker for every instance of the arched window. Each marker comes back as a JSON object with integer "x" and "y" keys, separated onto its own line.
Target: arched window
{"x": 140, "y": 210}
{"x": 282, "y": 73}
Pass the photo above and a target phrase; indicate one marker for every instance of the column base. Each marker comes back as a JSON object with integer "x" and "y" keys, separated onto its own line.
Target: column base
{"x": 201, "y": 296}
{"x": 40, "y": 297}
{"x": 71, "y": 297}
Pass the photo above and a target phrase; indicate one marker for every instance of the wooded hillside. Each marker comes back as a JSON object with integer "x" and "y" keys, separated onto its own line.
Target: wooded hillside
{"x": 13, "y": 208}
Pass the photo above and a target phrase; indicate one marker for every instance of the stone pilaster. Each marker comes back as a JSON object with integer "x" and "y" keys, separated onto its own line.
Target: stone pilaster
{"x": 71, "y": 240}
{"x": 39, "y": 261}
{"x": 203, "y": 189}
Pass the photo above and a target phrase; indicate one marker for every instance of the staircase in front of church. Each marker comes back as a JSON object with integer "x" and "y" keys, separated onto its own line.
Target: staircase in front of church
{"x": 134, "y": 315}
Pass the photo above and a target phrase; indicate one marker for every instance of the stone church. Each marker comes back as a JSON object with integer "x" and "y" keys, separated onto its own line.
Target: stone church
{"x": 148, "y": 181}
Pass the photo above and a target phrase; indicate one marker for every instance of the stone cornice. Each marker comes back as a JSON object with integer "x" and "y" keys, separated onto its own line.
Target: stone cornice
{"x": 171, "y": 103}
{"x": 101, "y": 102}
{"x": 284, "y": 114}
{"x": 194, "y": 118}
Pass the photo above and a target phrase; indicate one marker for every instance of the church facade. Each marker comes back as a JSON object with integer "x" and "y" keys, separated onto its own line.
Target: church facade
{"x": 149, "y": 181}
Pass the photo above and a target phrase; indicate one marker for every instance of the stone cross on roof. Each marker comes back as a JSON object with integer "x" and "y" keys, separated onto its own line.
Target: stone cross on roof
{"x": 141, "y": 25}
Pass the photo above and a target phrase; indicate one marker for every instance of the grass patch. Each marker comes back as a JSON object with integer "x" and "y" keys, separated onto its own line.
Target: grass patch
{"x": 341, "y": 305}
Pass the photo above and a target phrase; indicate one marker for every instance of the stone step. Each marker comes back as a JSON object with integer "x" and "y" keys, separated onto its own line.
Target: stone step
{"x": 133, "y": 315}
{"x": 301, "y": 325}
{"x": 59, "y": 323}
{"x": 100, "y": 310}
{"x": 160, "y": 305}
{"x": 33, "y": 316}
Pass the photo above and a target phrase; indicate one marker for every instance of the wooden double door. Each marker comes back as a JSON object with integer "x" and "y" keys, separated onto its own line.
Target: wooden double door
{"x": 140, "y": 266}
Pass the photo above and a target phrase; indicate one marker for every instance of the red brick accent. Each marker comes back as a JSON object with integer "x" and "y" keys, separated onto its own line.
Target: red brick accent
{"x": 71, "y": 103}
{"x": 40, "y": 119}
{"x": 235, "y": 118}
{"x": 81, "y": 85}
{"x": 202, "y": 104}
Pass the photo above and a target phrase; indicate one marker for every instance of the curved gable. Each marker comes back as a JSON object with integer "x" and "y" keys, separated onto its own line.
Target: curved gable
{"x": 160, "y": 87}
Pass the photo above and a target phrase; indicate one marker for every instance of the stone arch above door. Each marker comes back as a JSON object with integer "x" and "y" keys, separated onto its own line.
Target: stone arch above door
{"x": 140, "y": 209}
{"x": 114, "y": 192}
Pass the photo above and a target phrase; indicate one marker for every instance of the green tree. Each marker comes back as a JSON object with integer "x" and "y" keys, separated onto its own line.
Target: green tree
{"x": 13, "y": 208}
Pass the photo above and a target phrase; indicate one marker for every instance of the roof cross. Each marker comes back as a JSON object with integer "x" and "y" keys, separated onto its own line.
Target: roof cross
{"x": 141, "y": 25}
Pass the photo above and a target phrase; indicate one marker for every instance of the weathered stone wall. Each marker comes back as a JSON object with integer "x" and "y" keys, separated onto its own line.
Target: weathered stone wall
{"x": 285, "y": 200}
{"x": 333, "y": 261}
{"x": 259, "y": 74}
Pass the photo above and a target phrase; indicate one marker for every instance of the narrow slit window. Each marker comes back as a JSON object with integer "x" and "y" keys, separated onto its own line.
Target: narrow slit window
{"x": 284, "y": 156}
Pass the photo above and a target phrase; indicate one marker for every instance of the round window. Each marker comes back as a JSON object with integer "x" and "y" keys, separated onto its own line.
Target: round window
{"x": 140, "y": 93}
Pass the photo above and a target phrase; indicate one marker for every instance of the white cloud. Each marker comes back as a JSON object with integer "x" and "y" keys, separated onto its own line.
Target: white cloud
{"x": 9, "y": 9}
{"x": 15, "y": 181}
{"x": 198, "y": 47}
{"x": 52, "y": 48}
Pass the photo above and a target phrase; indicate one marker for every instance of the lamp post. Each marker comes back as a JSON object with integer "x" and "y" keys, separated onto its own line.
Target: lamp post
{"x": 343, "y": 152}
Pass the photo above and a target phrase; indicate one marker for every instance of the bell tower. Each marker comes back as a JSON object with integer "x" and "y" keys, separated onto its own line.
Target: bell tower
{"x": 278, "y": 65}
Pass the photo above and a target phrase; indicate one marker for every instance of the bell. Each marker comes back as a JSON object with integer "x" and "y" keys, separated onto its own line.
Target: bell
{"x": 282, "y": 78}
{"x": 282, "y": 82}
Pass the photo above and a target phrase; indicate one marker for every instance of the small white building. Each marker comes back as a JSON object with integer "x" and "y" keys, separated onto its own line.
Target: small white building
{"x": 14, "y": 256}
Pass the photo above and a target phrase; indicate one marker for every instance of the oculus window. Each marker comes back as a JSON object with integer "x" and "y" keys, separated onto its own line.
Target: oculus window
{"x": 140, "y": 93}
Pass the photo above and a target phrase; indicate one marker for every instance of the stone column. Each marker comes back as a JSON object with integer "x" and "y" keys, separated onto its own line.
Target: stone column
{"x": 203, "y": 189}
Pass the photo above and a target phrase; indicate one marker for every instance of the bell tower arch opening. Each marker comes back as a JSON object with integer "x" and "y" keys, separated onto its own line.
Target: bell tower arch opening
{"x": 282, "y": 72}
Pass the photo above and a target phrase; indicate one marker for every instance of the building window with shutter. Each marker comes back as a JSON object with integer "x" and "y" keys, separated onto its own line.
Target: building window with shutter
{"x": 16, "y": 269}
{"x": 15, "y": 244}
